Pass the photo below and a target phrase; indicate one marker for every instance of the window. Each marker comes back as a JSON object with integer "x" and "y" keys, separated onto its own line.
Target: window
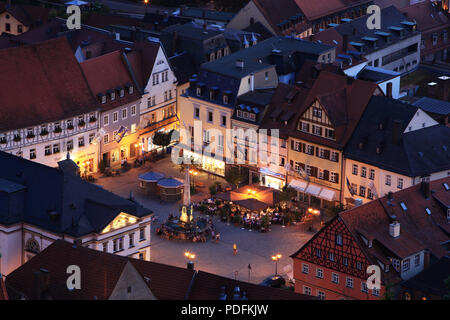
{"x": 359, "y": 266}
{"x": 199, "y": 91}
{"x": 349, "y": 282}
{"x": 69, "y": 145}
{"x": 133, "y": 127}
{"x": 81, "y": 142}
{"x": 56, "y": 148}
{"x": 329, "y": 133}
{"x": 105, "y": 246}
{"x": 333, "y": 177}
{"x": 120, "y": 243}
{"x": 224, "y": 121}
{"x": 105, "y": 120}
{"x": 48, "y": 150}
{"x": 91, "y": 137}
{"x": 131, "y": 240}
{"x": 305, "y": 127}
{"x": 8, "y": 27}
{"x": 362, "y": 191}
{"x": 405, "y": 265}
{"x": 369, "y": 194}
{"x": 339, "y": 239}
{"x": 155, "y": 79}
{"x": 319, "y": 273}
{"x": 305, "y": 268}
{"x": 318, "y": 253}
{"x": 317, "y": 130}
{"x": 141, "y": 234}
{"x": 345, "y": 261}
{"x": 417, "y": 260}
{"x": 331, "y": 256}
{"x": 376, "y": 292}
{"x": 225, "y": 99}
{"x": 141, "y": 255}
{"x": 115, "y": 116}
{"x": 363, "y": 172}
{"x": 121, "y": 92}
{"x": 372, "y": 174}
{"x": 133, "y": 110}
{"x": 306, "y": 290}
{"x": 317, "y": 112}
{"x": 355, "y": 169}
{"x": 364, "y": 287}
{"x": 400, "y": 183}
{"x": 210, "y": 116}
{"x": 388, "y": 180}
{"x": 106, "y": 138}
{"x": 321, "y": 295}
{"x": 309, "y": 149}
{"x": 124, "y": 113}
{"x": 115, "y": 245}
{"x": 334, "y": 278}
{"x": 321, "y": 174}
{"x": 33, "y": 154}
{"x": 334, "y": 156}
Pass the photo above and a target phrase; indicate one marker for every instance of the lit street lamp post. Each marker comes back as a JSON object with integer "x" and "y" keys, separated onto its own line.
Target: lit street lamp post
{"x": 190, "y": 256}
{"x": 146, "y": 4}
{"x": 276, "y": 258}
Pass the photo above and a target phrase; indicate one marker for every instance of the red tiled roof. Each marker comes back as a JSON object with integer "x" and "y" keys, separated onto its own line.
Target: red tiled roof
{"x": 418, "y": 230}
{"x": 41, "y": 83}
{"x": 26, "y": 14}
{"x": 277, "y": 11}
{"x": 108, "y": 72}
{"x": 317, "y": 9}
{"x": 428, "y": 17}
{"x": 3, "y": 292}
{"x": 142, "y": 59}
{"x": 344, "y": 103}
{"x": 207, "y": 286}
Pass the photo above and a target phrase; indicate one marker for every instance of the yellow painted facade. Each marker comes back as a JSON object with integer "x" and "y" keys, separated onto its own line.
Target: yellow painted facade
{"x": 10, "y": 25}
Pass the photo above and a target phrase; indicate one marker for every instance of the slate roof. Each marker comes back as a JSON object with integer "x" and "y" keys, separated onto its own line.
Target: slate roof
{"x": 164, "y": 281}
{"x": 41, "y": 83}
{"x": 431, "y": 105}
{"x": 82, "y": 207}
{"x": 419, "y": 152}
{"x": 298, "y": 48}
{"x": 357, "y": 29}
{"x": 376, "y": 75}
{"x": 183, "y": 66}
{"x": 432, "y": 280}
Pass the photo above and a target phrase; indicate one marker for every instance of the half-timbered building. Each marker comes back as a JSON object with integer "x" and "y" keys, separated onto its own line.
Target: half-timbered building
{"x": 318, "y": 132}
{"x": 402, "y": 234}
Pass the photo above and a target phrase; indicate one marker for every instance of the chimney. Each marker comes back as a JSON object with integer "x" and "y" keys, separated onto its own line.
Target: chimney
{"x": 174, "y": 41}
{"x": 45, "y": 276}
{"x": 426, "y": 258}
{"x": 425, "y": 187}
{"x": 396, "y": 131}
{"x": 394, "y": 229}
{"x": 390, "y": 196}
{"x": 344, "y": 43}
{"x": 37, "y": 285}
{"x": 252, "y": 82}
{"x": 240, "y": 63}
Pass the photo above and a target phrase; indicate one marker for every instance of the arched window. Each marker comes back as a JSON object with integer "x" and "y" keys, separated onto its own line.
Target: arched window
{"x": 32, "y": 246}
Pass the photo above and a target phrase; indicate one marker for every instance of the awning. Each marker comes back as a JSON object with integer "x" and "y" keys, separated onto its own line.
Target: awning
{"x": 327, "y": 194}
{"x": 313, "y": 190}
{"x": 298, "y": 185}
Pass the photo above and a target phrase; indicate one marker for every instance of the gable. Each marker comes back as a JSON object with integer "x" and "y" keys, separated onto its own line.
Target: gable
{"x": 325, "y": 241}
{"x": 131, "y": 286}
{"x": 420, "y": 120}
{"x": 316, "y": 113}
{"x": 160, "y": 64}
{"x": 122, "y": 220}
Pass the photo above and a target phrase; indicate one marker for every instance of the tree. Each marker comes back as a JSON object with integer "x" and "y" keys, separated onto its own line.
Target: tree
{"x": 235, "y": 176}
{"x": 162, "y": 139}
{"x": 287, "y": 193}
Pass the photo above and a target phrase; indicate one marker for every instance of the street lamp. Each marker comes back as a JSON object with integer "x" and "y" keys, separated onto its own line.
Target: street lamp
{"x": 190, "y": 256}
{"x": 276, "y": 258}
{"x": 146, "y": 3}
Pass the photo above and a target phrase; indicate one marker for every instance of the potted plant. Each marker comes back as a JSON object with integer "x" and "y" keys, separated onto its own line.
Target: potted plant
{"x": 3, "y": 140}
{"x": 44, "y": 132}
{"x": 265, "y": 222}
{"x": 29, "y": 136}
{"x": 92, "y": 119}
{"x": 81, "y": 123}
{"x": 17, "y": 138}
{"x": 57, "y": 130}
{"x": 70, "y": 127}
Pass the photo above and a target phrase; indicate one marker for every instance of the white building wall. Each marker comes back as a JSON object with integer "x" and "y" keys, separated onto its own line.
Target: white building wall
{"x": 420, "y": 120}
{"x": 413, "y": 268}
